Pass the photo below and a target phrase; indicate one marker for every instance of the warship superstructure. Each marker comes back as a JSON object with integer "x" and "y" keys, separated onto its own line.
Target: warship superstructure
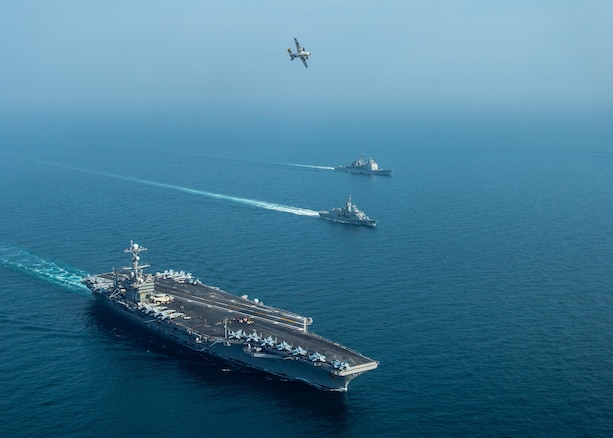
{"x": 349, "y": 214}
{"x": 365, "y": 166}
{"x": 212, "y": 322}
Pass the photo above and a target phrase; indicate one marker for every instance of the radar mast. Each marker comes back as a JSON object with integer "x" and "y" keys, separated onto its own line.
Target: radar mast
{"x": 137, "y": 270}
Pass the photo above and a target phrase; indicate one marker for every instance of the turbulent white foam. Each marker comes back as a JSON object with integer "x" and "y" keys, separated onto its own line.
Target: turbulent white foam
{"x": 23, "y": 261}
{"x": 252, "y": 202}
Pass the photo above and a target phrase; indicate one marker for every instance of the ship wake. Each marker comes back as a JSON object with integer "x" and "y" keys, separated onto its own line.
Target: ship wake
{"x": 308, "y": 166}
{"x": 251, "y": 202}
{"x": 20, "y": 260}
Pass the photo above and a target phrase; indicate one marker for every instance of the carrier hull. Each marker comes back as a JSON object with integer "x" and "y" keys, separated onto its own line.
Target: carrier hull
{"x": 244, "y": 333}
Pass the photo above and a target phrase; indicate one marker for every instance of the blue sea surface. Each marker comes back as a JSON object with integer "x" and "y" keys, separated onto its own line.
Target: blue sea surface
{"x": 485, "y": 292}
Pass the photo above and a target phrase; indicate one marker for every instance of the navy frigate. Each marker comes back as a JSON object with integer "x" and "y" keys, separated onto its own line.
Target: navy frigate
{"x": 349, "y": 214}
{"x": 215, "y": 323}
{"x": 364, "y": 166}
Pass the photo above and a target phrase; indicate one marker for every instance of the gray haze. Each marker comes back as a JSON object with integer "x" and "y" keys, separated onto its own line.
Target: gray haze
{"x": 109, "y": 55}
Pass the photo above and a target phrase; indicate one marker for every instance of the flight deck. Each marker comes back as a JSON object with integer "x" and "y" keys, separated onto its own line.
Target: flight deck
{"x": 213, "y": 312}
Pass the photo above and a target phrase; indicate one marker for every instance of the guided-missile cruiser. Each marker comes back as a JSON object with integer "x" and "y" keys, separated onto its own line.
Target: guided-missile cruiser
{"x": 211, "y": 322}
{"x": 364, "y": 166}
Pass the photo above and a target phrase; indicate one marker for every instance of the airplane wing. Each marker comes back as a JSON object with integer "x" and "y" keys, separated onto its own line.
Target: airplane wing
{"x": 304, "y": 62}
{"x": 297, "y": 45}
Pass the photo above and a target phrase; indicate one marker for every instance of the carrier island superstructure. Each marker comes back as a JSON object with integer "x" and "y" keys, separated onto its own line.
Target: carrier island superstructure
{"x": 215, "y": 323}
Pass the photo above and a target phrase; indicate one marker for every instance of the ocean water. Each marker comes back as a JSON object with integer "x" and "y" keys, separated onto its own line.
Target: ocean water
{"x": 485, "y": 292}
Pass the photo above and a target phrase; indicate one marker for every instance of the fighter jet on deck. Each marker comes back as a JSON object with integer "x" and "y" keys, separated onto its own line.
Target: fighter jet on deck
{"x": 300, "y": 53}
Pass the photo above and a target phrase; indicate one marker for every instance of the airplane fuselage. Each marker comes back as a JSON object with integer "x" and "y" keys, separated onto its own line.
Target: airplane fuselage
{"x": 302, "y": 54}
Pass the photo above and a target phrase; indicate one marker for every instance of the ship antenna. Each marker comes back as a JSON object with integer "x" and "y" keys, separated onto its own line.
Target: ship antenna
{"x": 137, "y": 270}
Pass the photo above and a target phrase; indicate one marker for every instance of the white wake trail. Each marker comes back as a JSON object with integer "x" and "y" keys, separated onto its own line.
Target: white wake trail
{"x": 252, "y": 202}
{"x": 308, "y": 166}
{"x": 20, "y": 260}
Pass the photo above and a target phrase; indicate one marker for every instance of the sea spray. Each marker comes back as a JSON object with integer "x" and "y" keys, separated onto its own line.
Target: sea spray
{"x": 20, "y": 260}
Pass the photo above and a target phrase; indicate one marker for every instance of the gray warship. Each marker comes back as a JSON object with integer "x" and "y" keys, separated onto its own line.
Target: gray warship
{"x": 365, "y": 166}
{"x": 349, "y": 214}
{"x": 212, "y": 322}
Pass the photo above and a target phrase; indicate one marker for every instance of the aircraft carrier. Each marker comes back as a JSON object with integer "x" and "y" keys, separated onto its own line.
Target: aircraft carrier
{"x": 212, "y": 322}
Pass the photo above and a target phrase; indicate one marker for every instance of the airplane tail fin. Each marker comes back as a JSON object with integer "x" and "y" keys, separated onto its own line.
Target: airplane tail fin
{"x": 290, "y": 54}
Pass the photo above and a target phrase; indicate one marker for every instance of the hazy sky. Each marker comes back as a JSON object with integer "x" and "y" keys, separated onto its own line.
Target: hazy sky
{"x": 195, "y": 53}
